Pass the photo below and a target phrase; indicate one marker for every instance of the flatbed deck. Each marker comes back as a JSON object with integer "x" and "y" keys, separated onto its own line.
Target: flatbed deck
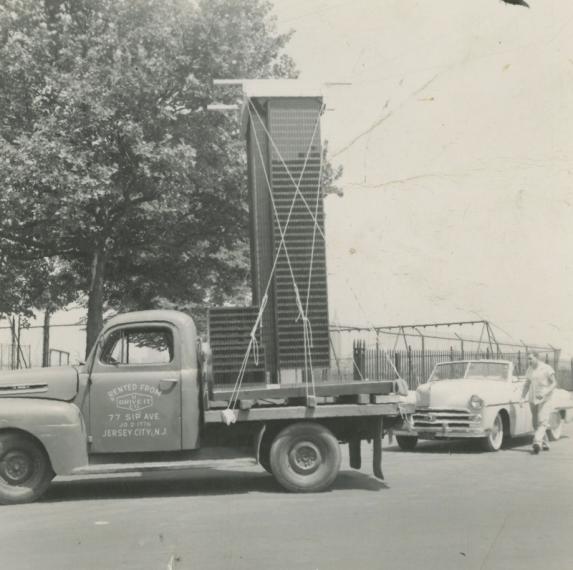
{"x": 390, "y": 408}
{"x": 321, "y": 389}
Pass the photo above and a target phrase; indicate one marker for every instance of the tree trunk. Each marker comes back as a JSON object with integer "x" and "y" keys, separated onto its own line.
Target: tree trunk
{"x": 14, "y": 339}
{"x": 46, "y": 339}
{"x": 95, "y": 299}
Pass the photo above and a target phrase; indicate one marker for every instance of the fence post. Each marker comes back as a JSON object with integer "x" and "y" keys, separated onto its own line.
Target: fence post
{"x": 397, "y": 363}
{"x": 410, "y": 366}
{"x": 358, "y": 359}
{"x": 377, "y": 368}
{"x": 423, "y": 360}
{"x": 451, "y": 353}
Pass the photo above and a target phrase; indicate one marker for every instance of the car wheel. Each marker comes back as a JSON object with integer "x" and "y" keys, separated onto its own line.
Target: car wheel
{"x": 555, "y": 426}
{"x": 25, "y": 469}
{"x": 407, "y": 442}
{"x": 305, "y": 458}
{"x": 495, "y": 438}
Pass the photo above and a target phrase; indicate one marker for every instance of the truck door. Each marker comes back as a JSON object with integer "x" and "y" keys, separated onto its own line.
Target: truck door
{"x": 135, "y": 391}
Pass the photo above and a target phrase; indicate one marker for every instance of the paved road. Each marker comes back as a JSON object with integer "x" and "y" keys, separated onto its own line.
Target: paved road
{"x": 443, "y": 506}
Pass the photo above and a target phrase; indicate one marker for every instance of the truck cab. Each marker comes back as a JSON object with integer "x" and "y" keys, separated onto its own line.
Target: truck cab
{"x": 140, "y": 388}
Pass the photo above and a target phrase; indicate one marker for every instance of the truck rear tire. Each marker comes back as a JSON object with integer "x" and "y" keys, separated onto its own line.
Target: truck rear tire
{"x": 305, "y": 458}
{"x": 25, "y": 469}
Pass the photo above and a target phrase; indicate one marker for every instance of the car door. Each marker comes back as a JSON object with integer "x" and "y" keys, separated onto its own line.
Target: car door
{"x": 135, "y": 391}
{"x": 523, "y": 422}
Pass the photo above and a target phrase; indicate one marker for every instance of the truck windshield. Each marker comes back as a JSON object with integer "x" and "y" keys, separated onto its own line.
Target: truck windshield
{"x": 475, "y": 370}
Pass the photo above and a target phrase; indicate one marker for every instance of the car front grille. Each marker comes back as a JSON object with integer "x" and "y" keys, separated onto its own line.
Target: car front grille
{"x": 436, "y": 418}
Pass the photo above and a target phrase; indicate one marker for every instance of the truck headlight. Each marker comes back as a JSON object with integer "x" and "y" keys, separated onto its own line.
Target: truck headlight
{"x": 476, "y": 403}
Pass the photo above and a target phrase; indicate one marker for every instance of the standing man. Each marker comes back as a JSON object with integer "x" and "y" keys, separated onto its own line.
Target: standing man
{"x": 541, "y": 385}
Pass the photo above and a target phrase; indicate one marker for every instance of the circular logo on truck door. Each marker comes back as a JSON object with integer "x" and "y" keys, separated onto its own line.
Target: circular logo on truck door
{"x": 134, "y": 402}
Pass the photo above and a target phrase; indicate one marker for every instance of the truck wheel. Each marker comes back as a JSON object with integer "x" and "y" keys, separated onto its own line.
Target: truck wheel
{"x": 495, "y": 438}
{"x": 407, "y": 442}
{"x": 25, "y": 470}
{"x": 305, "y": 458}
{"x": 555, "y": 426}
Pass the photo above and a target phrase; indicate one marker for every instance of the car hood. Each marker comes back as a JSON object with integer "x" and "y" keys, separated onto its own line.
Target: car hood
{"x": 456, "y": 393}
{"x": 53, "y": 383}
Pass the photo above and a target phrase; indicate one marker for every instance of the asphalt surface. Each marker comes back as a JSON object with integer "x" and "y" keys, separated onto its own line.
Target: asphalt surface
{"x": 445, "y": 505}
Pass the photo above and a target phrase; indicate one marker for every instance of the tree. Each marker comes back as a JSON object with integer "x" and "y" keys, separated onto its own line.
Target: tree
{"x": 109, "y": 157}
{"x": 26, "y": 286}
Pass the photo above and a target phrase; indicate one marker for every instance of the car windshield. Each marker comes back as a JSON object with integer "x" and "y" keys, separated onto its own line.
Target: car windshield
{"x": 474, "y": 370}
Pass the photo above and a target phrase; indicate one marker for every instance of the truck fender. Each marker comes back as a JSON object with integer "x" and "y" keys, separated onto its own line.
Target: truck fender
{"x": 58, "y": 426}
{"x": 258, "y": 441}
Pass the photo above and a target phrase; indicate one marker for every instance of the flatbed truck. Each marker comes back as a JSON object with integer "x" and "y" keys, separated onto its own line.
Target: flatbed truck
{"x": 145, "y": 395}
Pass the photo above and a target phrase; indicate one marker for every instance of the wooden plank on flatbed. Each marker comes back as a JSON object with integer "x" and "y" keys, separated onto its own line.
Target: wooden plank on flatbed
{"x": 302, "y": 412}
{"x": 258, "y": 392}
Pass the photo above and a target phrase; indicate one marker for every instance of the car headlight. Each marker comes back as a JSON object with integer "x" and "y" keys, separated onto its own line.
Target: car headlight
{"x": 476, "y": 403}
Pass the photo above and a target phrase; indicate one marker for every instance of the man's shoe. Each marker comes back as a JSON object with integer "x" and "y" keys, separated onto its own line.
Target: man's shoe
{"x": 545, "y": 446}
{"x": 536, "y": 448}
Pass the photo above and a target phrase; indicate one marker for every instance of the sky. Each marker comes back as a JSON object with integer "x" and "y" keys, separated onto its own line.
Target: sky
{"x": 456, "y": 139}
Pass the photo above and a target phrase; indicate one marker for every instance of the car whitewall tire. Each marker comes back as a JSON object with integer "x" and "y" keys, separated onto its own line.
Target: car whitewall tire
{"x": 555, "y": 426}
{"x": 494, "y": 440}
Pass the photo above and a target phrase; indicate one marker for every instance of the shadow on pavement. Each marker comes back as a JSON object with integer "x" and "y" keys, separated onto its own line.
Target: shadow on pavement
{"x": 461, "y": 446}
{"x": 444, "y": 446}
{"x": 187, "y": 483}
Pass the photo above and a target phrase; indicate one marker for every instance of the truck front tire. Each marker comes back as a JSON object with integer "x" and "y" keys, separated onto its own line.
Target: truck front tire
{"x": 25, "y": 469}
{"x": 305, "y": 458}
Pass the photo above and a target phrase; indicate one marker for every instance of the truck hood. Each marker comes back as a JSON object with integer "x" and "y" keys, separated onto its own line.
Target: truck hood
{"x": 455, "y": 394}
{"x": 52, "y": 383}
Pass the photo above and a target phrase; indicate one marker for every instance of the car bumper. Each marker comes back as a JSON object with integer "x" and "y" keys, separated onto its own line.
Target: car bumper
{"x": 443, "y": 430}
{"x": 443, "y": 433}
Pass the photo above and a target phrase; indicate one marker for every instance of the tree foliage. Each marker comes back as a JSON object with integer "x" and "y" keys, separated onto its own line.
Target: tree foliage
{"x": 109, "y": 158}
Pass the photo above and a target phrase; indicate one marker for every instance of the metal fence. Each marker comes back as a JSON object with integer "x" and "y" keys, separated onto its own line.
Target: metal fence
{"x": 13, "y": 356}
{"x": 414, "y": 365}
{"x": 59, "y": 357}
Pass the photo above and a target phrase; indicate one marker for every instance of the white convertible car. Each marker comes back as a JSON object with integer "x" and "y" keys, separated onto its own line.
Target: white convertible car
{"x": 480, "y": 399}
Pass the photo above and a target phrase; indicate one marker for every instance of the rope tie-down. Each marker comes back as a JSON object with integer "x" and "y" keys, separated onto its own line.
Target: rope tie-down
{"x": 228, "y": 415}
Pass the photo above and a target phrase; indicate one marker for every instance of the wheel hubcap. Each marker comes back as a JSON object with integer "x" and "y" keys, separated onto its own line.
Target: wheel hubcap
{"x": 16, "y": 467}
{"x": 305, "y": 457}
